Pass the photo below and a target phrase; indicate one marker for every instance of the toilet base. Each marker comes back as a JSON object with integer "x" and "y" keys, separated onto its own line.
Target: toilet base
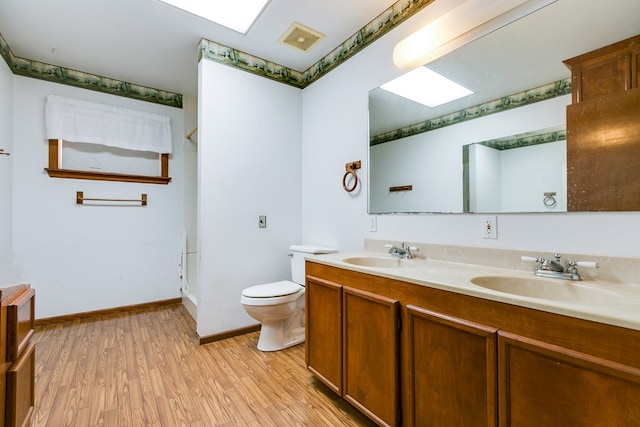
{"x": 282, "y": 323}
{"x": 272, "y": 337}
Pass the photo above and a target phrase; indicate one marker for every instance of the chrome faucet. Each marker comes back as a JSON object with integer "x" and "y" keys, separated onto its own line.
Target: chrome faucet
{"x": 553, "y": 268}
{"x": 404, "y": 251}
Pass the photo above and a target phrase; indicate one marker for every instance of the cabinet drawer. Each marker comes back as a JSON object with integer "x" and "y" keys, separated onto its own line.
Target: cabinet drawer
{"x": 20, "y": 397}
{"x": 20, "y": 320}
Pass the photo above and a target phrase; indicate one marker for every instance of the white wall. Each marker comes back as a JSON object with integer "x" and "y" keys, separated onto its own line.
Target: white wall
{"x": 335, "y": 132}
{"x": 190, "y": 176}
{"x": 524, "y": 183}
{"x": 7, "y": 272}
{"x": 431, "y": 167}
{"x": 78, "y": 257}
{"x": 249, "y": 131}
{"x": 484, "y": 181}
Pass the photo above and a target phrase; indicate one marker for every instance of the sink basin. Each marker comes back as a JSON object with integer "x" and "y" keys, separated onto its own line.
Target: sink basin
{"x": 380, "y": 262}
{"x": 549, "y": 289}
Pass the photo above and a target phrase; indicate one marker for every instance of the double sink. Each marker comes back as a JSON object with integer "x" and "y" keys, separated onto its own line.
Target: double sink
{"x": 566, "y": 291}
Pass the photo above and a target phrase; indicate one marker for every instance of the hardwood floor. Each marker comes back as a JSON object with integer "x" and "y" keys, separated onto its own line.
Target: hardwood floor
{"x": 146, "y": 369}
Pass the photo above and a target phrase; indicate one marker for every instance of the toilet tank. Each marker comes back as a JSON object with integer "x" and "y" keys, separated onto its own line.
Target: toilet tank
{"x": 298, "y": 254}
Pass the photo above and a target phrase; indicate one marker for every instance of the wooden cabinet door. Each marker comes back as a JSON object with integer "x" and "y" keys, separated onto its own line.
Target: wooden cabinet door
{"x": 323, "y": 329}
{"x": 452, "y": 365}
{"x": 20, "y": 389}
{"x": 603, "y": 154}
{"x": 20, "y": 323}
{"x": 370, "y": 355}
{"x": 546, "y": 385}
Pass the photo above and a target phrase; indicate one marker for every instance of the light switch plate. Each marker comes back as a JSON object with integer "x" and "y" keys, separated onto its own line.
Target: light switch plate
{"x": 262, "y": 221}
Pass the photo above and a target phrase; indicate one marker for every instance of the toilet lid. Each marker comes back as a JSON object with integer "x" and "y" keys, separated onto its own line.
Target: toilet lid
{"x": 269, "y": 290}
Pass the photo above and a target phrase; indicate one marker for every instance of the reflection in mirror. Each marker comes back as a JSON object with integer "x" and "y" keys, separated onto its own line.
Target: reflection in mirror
{"x": 520, "y": 86}
{"x": 522, "y": 173}
{"x": 432, "y": 162}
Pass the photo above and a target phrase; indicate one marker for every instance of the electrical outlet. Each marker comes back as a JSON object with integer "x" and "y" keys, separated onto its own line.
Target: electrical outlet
{"x": 262, "y": 221}
{"x": 373, "y": 223}
{"x": 489, "y": 227}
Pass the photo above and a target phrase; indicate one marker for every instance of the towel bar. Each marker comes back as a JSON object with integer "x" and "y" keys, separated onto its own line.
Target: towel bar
{"x": 80, "y": 199}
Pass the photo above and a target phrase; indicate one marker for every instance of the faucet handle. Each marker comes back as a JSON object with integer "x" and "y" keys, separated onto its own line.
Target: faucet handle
{"x": 586, "y": 264}
{"x": 392, "y": 249}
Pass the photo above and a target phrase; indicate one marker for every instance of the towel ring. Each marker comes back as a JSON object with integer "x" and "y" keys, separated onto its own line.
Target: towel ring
{"x": 351, "y": 170}
{"x": 549, "y": 200}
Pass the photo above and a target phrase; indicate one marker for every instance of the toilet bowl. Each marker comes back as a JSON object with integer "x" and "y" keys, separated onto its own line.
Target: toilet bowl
{"x": 279, "y": 306}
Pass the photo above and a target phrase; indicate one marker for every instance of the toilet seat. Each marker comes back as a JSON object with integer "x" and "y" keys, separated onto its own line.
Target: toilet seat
{"x": 272, "y": 293}
{"x": 275, "y": 289}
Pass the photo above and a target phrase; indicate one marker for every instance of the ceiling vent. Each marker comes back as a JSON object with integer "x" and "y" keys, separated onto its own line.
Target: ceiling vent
{"x": 301, "y": 37}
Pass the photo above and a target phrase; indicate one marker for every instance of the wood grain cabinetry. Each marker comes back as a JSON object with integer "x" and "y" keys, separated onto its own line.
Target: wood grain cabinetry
{"x": 452, "y": 363}
{"x": 352, "y": 346}
{"x": 17, "y": 355}
{"x": 546, "y": 385}
{"x": 370, "y": 354}
{"x": 471, "y": 361}
{"x": 323, "y": 311}
{"x": 605, "y": 71}
{"x": 603, "y": 132}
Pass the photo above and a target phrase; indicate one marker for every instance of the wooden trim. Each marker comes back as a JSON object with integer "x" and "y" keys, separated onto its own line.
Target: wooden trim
{"x": 229, "y": 334}
{"x": 55, "y": 171}
{"x": 164, "y": 165}
{"x": 106, "y": 176}
{"x": 53, "y": 154}
{"x": 92, "y": 315}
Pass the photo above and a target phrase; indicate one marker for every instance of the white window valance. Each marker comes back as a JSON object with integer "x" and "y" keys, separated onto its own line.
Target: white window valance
{"x": 76, "y": 120}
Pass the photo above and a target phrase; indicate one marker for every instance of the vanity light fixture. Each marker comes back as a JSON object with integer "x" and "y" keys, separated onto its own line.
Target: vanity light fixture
{"x": 236, "y": 15}
{"x": 426, "y": 87}
{"x": 467, "y": 22}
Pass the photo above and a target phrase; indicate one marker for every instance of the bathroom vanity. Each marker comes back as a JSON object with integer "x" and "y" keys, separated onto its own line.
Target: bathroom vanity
{"x": 418, "y": 343}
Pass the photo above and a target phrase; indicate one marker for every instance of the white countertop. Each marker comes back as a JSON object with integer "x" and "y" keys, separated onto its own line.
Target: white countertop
{"x": 623, "y": 309}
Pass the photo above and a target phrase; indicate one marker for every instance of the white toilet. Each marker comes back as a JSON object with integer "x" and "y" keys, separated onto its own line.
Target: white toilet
{"x": 279, "y": 306}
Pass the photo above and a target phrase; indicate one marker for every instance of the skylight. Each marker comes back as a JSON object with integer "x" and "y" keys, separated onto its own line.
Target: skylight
{"x": 236, "y": 15}
{"x": 426, "y": 87}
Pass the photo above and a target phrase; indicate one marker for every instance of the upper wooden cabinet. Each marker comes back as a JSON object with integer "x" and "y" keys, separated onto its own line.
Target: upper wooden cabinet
{"x": 611, "y": 69}
{"x": 603, "y": 130}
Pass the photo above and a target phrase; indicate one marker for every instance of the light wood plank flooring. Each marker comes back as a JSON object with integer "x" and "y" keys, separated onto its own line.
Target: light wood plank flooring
{"x": 146, "y": 369}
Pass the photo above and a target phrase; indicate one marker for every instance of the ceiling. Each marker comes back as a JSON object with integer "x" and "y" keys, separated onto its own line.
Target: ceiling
{"x": 149, "y": 43}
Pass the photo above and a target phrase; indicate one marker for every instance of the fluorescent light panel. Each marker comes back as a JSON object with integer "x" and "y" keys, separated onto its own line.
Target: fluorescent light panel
{"x": 426, "y": 87}
{"x": 233, "y": 14}
{"x": 467, "y": 22}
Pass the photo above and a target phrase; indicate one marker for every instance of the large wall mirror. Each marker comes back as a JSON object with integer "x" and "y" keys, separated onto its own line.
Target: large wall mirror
{"x": 501, "y": 149}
